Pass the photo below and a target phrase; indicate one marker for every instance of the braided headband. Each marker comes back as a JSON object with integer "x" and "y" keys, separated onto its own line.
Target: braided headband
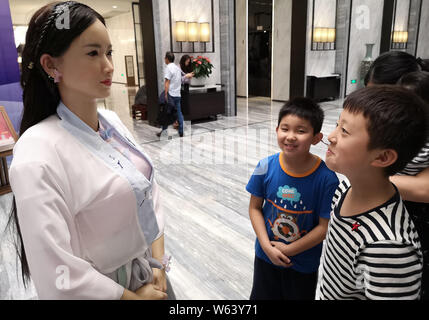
{"x": 57, "y": 11}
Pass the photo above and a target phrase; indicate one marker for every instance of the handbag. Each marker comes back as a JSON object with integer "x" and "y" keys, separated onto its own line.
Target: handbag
{"x": 167, "y": 111}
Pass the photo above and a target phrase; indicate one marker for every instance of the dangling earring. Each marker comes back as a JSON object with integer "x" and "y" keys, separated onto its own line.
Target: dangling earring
{"x": 57, "y": 76}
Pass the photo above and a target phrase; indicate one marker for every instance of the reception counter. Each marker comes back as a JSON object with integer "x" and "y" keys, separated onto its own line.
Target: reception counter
{"x": 204, "y": 102}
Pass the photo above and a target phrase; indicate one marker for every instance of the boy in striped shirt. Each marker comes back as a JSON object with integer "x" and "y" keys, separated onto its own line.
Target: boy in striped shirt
{"x": 372, "y": 250}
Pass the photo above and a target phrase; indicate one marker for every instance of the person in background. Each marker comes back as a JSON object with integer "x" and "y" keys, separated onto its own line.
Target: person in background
{"x": 187, "y": 74}
{"x": 413, "y": 181}
{"x": 86, "y": 207}
{"x": 172, "y": 87}
{"x": 397, "y": 67}
{"x": 390, "y": 66}
{"x": 418, "y": 82}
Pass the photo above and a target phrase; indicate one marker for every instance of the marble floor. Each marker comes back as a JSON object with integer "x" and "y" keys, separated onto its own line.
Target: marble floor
{"x": 202, "y": 178}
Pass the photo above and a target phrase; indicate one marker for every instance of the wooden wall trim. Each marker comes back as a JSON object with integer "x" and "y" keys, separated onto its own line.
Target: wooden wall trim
{"x": 149, "y": 52}
{"x": 298, "y": 48}
{"x": 386, "y": 27}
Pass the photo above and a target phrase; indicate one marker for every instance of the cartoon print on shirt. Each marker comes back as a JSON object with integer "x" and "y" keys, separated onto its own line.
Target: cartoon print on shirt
{"x": 289, "y": 194}
{"x": 285, "y": 228}
{"x": 285, "y": 225}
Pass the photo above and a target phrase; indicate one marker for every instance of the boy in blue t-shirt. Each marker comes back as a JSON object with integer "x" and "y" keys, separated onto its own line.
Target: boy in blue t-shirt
{"x": 290, "y": 205}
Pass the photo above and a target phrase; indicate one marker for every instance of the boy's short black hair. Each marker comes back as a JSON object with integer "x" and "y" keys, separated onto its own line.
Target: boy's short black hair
{"x": 306, "y": 109}
{"x": 396, "y": 119}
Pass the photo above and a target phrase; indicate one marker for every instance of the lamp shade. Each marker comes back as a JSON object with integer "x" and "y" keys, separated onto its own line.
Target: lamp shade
{"x": 331, "y": 35}
{"x": 395, "y": 37}
{"x": 317, "y": 35}
{"x": 180, "y": 31}
{"x": 324, "y": 35}
{"x": 204, "y": 32}
{"x": 400, "y": 37}
{"x": 193, "y": 32}
{"x": 404, "y": 37}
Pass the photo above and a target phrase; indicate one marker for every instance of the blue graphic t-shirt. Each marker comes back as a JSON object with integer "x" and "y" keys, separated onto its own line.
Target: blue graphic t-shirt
{"x": 292, "y": 205}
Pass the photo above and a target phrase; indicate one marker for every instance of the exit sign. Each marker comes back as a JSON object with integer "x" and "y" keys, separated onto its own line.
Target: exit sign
{"x": 353, "y": 81}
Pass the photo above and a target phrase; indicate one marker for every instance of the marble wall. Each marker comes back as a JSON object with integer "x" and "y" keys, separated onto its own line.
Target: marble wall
{"x": 281, "y": 46}
{"x": 160, "y": 31}
{"x": 324, "y": 13}
{"x": 121, "y": 32}
{"x": 191, "y": 11}
{"x": 356, "y": 26}
{"x": 187, "y": 13}
{"x": 282, "y": 30}
{"x": 401, "y": 15}
{"x": 227, "y": 55}
{"x": 365, "y": 28}
{"x": 342, "y": 44}
{"x": 423, "y": 44}
{"x": 320, "y": 63}
{"x": 413, "y": 25}
{"x": 317, "y": 62}
{"x": 241, "y": 23}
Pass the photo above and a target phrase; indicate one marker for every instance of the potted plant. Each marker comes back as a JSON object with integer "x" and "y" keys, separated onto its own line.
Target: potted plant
{"x": 202, "y": 68}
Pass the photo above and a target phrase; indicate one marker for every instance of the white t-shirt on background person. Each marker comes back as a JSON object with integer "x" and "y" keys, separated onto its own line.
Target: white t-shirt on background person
{"x": 174, "y": 74}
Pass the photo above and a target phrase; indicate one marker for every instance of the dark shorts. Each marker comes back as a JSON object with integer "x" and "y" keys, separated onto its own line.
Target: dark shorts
{"x": 273, "y": 283}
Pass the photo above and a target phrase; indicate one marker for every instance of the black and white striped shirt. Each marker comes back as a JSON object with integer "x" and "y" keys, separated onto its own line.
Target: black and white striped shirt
{"x": 419, "y": 163}
{"x": 373, "y": 255}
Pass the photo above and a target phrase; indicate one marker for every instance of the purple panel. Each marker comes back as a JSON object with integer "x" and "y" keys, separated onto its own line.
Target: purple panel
{"x": 9, "y": 68}
{"x": 11, "y": 92}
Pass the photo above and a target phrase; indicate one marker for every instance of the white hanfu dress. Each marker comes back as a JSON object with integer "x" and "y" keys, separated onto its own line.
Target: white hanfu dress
{"x": 84, "y": 210}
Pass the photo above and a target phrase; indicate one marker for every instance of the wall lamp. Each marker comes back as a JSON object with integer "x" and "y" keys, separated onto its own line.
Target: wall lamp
{"x": 180, "y": 32}
{"x": 323, "y": 39}
{"x": 205, "y": 33}
{"x": 192, "y": 32}
{"x": 399, "y": 40}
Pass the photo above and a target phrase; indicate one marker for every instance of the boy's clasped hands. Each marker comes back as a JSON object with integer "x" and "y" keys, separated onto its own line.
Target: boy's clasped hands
{"x": 278, "y": 253}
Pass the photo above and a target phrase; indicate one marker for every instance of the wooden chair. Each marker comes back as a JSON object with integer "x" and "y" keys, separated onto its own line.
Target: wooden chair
{"x": 4, "y": 175}
{"x": 139, "y": 111}
{"x": 6, "y": 149}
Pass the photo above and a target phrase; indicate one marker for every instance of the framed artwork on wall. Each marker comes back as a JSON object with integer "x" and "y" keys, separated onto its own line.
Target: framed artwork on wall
{"x": 8, "y": 136}
{"x": 129, "y": 67}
